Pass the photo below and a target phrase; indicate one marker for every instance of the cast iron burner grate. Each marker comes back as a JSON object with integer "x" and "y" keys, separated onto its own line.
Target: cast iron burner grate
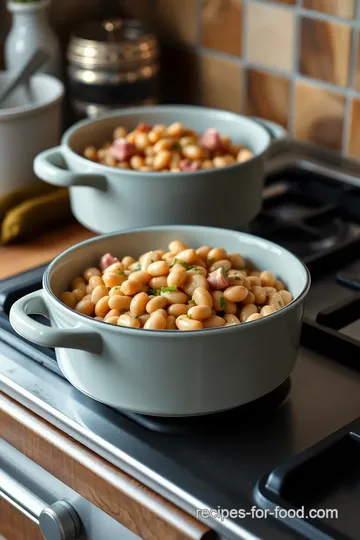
{"x": 317, "y": 218}
{"x": 307, "y": 214}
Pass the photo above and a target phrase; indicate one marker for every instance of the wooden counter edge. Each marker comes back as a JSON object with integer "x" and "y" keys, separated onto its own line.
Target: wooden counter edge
{"x": 132, "y": 504}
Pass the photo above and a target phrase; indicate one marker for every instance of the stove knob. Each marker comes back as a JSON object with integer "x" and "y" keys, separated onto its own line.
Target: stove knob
{"x": 60, "y": 521}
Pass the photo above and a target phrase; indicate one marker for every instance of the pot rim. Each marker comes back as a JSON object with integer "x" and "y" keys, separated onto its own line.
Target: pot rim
{"x": 160, "y": 108}
{"x": 172, "y": 333}
{"x": 20, "y": 111}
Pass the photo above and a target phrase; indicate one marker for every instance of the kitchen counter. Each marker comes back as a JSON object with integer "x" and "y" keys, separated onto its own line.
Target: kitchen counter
{"x": 139, "y": 509}
{"x": 17, "y": 258}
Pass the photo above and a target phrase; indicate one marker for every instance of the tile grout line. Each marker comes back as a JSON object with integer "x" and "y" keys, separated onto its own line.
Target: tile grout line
{"x": 351, "y": 83}
{"x": 354, "y": 22}
{"x": 342, "y": 90}
{"x": 295, "y": 70}
{"x": 244, "y": 41}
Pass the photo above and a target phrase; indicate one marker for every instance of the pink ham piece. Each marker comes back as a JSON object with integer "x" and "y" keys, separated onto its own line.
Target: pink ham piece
{"x": 122, "y": 150}
{"x": 211, "y": 140}
{"x": 218, "y": 280}
{"x": 143, "y": 128}
{"x": 188, "y": 165}
{"x": 106, "y": 261}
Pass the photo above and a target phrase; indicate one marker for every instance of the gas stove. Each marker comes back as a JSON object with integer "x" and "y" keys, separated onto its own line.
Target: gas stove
{"x": 265, "y": 455}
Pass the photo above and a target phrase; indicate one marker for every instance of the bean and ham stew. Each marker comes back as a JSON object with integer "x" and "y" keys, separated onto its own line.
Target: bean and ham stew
{"x": 168, "y": 148}
{"x": 181, "y": 289}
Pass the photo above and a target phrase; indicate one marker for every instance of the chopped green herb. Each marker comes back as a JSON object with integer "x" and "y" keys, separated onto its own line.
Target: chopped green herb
{"x": 210, "y": 261}
{"x": 138, "y": 267}
{"x": 121, "y": 273}
{"x": 185, "y": 265}
{"x": 136, "y": 316}
{"x": 177, "y": 146}
{"x": 151, "y": 260}
{"x": 192, "y": 302}
{"x": 237, "y": 278}
{"x": 154, "y": 292}
{"x": 172, "y": 288}
{"x": 222, "y": 303}
{"x": 123, "y": 311}
{"x": 226, "y": 271}
{"x": 281, "y": 303}
{"x": 188, "y": 316}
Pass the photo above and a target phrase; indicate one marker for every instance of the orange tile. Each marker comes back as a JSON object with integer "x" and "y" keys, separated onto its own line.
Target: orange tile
{"x": 354, "y": 142}
{"x": 325, "y": 50}
{"x": 340, "y": 8}
{"x": 221, "y": 25}
{"x": 318, "y": 115}
{"x": 176, "y": 20}
{"x": 268, "y": 96}
{"x": 266, "y": 45}
{"x": 220, "y": 83}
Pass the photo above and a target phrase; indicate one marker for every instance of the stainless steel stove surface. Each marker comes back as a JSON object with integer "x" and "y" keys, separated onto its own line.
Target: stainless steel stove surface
{"x": 311, "y": 206}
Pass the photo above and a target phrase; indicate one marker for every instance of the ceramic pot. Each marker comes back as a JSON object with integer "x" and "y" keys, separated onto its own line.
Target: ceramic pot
{"x": 164, "y": 372}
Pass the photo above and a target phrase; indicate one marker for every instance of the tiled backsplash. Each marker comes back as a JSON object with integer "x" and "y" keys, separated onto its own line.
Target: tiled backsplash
{"x": 296, "y": 62}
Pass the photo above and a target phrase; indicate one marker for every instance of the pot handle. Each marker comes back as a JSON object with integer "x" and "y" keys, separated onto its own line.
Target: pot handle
{"x": 47, "y": 336}
{"x": 277, "y": 133}
{"x": 274, "y": 130}
{"x": 51, "y": 167}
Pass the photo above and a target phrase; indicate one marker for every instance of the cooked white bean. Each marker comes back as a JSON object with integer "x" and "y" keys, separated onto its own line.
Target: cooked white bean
{"x": 179, "y": 289}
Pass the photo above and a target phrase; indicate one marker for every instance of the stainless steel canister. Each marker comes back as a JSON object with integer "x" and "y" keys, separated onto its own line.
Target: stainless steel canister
{"x": 111, "y": 64}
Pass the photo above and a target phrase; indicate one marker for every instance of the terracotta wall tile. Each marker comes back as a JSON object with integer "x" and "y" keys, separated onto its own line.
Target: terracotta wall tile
{"x": 340, "y": 8}
{"x": 268, "y": 96}
{"x": 354, "y": 142}
{"x": 266, "y": 45}
{"x": 175, "y": 20}
{"x": 325, "y": 50}
{"x": 220, "y": 81}
{"x": 318, "y": 115}
{"x": 221, "y": 22}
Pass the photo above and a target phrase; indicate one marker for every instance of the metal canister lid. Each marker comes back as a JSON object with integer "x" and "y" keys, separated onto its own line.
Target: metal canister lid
{"x": 112, "y": 44}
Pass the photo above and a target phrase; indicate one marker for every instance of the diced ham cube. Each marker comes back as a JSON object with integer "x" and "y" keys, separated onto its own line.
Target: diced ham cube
{"x": 122, "y": 150}
{"x": 106, "y": 261}
{"x": 218, "y": 279}
{"x": 188, "y": 165}
{"x": 211, "y": 140}
{"x": 144, "y": 128}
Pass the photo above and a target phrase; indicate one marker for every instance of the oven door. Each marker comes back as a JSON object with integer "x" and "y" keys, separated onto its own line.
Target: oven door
{"x": 35, "y": 505}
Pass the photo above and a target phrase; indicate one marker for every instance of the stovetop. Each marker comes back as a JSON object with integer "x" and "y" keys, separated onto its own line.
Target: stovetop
{"x": 311, "y": 206}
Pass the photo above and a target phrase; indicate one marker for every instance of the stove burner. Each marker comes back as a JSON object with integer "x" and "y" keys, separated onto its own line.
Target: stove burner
{"x": 304, "y": 218}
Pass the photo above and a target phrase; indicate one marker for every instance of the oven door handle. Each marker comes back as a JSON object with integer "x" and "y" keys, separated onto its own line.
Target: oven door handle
{"x": 58, "y": 521}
